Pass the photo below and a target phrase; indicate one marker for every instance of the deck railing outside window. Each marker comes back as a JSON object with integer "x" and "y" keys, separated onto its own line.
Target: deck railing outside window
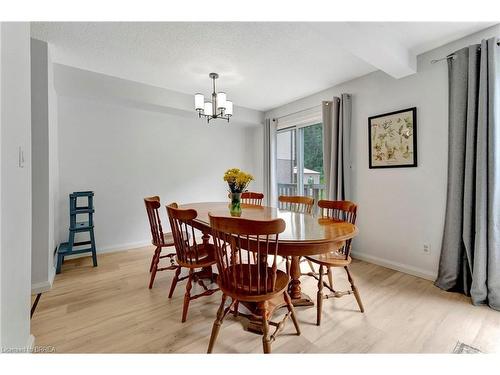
{"x": 316, "y": 191}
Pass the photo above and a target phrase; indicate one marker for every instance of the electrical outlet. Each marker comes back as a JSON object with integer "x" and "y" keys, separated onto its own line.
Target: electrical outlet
{"x": 427, "y": 249}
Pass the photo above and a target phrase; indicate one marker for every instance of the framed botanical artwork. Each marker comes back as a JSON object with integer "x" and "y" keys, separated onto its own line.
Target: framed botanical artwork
{"x": 392, "y": 139}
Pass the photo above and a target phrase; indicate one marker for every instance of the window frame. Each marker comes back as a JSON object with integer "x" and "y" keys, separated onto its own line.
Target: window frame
{"x": 298, "y": 123}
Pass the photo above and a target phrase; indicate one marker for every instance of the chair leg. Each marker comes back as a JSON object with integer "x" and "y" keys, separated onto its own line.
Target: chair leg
{"x": 320, "y": 295}
{"x": 236, "y": 305}
{"x": 174, "y": 281}
{"x": 311, "y": 266}
{"x": 355, "y": 290}
{"x": 217, "y": 324}
{"x": 155, "y": 254}
{"x": 266, "y": 340}
{"x": 330, "y": 276}
{"x": 187, "y": 296}
{"x": 155, "y": 268}
{"x": 290, "y": 307}
{"x": 213, "y": 278}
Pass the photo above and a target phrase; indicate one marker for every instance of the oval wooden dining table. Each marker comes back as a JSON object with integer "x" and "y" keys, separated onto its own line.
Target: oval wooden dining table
{"x": 305, "y": 234}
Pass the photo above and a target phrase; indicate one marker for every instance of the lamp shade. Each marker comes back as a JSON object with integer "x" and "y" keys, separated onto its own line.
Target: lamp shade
{"x": 199, "y": 100}
{"x": 229, "y": 108}
{"x": 208, "y": 109}
{"x": 221, "y": 100}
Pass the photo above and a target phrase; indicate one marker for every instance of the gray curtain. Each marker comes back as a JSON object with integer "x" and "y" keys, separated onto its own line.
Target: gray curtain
{"x": 470, "y": 253}
{"x": 270, "y": 188}
{"x": 337, "y": 147}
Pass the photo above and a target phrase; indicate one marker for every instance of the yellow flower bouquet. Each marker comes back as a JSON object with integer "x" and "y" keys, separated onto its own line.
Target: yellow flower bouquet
{"x": 237, "y": 180}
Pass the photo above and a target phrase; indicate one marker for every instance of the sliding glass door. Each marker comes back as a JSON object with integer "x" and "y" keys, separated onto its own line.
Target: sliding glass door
{"x": 300, "y": 161}
{"x": 286, "y": 167}
{"x": 313, "y": 176}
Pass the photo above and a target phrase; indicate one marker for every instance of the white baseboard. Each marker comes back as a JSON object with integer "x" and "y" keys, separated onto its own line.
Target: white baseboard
{"x": 41, "y": 287}
{"x": 114, "y": 249}
{"x": 122, "y": 247}
{"x": 52, "y": 274}
{"x": 45, "y": 285}
{"x": 405, "y": 268}
{"x": 30, "y": 343}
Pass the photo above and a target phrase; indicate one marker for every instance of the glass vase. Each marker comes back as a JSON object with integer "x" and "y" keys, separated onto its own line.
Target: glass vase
{"x": 235, "y": 208}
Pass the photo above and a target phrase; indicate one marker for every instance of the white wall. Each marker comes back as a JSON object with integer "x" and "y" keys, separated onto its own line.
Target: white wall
{"x": 400, "y": 209}
{"x": 40, "y": 162}
{"x": 53, "y": 165}
{"x": 15, "y": 199}
{"x": 45, "y": 167}
{"x": 254, "y": 148}
{"x": 125, "y": 149}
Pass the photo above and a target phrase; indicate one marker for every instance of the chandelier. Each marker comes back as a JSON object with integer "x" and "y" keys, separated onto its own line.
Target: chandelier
{"x": 219, "y": 107}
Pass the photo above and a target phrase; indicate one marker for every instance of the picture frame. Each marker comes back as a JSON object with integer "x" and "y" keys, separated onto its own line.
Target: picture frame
{"x": 392, "y": 139}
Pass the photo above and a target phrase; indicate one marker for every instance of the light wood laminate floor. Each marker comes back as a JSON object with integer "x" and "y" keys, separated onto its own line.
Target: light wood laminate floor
{"x": 110, "y": 309}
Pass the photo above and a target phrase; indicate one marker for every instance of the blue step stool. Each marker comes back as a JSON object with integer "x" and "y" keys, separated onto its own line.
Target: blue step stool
{"x": 71, "y": 247}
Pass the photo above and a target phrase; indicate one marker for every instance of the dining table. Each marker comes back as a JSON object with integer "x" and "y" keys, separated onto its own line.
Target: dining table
{"x": 305, "y": 234}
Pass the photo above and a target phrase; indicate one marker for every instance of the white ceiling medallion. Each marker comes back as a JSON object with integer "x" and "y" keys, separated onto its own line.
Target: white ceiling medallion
{"x": 219, "y": 107}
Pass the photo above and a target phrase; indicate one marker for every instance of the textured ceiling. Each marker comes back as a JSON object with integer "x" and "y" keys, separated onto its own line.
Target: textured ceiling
{"x": 261, "y": 65}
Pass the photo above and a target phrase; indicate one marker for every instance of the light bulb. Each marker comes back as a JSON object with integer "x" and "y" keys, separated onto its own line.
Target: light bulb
{"x": 229, "y": 108}
{"x": 221, "y": 100}
{"x": 199, "y": 99}
{"x": 208, "y": 109}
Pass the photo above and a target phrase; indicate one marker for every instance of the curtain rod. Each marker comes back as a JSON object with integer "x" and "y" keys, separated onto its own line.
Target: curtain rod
{"x": 452, "y": 56}
{"x": 443, "y": 58}
{"x": 294, "y": 113}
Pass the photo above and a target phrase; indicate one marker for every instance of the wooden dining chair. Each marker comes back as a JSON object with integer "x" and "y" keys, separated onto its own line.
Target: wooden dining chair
{"x": 344, "y": 211}
{"x": 159, "y": 239}
{"x": 300, "y": 204}
{"x": 249, "y": 197}
{"x": 250, "y": 279}
{"x": 190, "y": 255}
{"x": 296, "y": 203}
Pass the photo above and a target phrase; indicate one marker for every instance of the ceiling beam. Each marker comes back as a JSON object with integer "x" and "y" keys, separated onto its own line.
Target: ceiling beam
{"x": 372, "y": 42}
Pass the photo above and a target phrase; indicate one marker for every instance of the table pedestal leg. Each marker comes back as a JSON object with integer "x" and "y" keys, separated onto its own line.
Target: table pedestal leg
{"x": 207, "y": 270}
{"x": 205, "y": 238}
{"x": 298, "y": 298}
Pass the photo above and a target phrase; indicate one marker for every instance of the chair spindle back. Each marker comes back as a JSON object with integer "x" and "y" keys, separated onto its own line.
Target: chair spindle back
{"x": 187, "y": 249}
{"x": 343, "y": 211}
{"x": 296, "y": 203}
{"x": 234, "y": 239}
{"x": 152, "y": 208}
{"x": 249, "y": 197}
